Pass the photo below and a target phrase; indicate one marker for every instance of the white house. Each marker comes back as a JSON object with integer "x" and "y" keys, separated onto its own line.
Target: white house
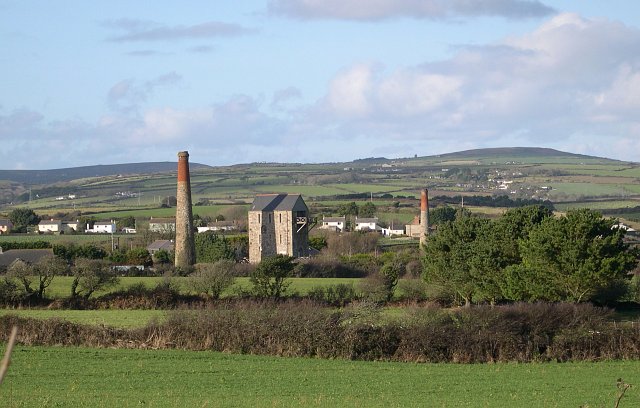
{"x": 104, "y": 227}
{"x": 367, "y": 224}
{"x": 219, "y": 226}
{"x": 337, "y": 224}
{"x": 51, "y": 226}
{"x": 71, "y": 225}
{"x": 162, "y": 224}
{"x": 388, "y": 232}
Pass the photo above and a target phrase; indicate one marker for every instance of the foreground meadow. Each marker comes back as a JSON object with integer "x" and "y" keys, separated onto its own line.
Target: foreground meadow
{"x": 85, "y": 377}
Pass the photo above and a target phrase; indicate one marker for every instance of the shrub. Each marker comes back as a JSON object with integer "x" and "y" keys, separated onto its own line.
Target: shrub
{"x": 213, "y": 279}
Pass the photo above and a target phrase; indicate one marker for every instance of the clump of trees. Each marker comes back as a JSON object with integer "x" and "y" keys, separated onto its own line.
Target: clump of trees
{"x": 528, "y": 255}
{"x": 21, "y": 218}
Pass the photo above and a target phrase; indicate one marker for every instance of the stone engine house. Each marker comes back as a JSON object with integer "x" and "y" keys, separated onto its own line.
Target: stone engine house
{"x": 278, "y": 224}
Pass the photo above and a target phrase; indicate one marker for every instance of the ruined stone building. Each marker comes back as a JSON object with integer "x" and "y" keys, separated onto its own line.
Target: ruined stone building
{"x": 278, "y": 224}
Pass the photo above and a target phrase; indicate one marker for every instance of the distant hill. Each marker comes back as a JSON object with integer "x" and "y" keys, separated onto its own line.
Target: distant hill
{"x": 513, "y": 152}
{"x": 37, "y": 177}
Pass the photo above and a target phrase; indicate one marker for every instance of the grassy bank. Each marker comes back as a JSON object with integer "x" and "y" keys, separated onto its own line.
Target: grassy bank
{"x": 85, "y": 377}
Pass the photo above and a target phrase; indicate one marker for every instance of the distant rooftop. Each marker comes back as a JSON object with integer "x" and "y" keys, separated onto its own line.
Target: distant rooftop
{"x": 278, "y": 202}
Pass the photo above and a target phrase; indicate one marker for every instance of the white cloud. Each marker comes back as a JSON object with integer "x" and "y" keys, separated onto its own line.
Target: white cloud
{"x": 138, "y": 30}
{"x": 571, "y": 79}
{"x": 127, "y": 95}
{"x": 571, "y": 84}
{"x": 429, "y": 9}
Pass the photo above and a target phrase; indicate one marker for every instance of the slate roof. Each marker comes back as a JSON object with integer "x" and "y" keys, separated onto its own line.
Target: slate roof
{"x": 278, "y": 202}
{"x": 6, "y": 223}
{"x": 50, "y": 222}
{"x": 334, "y": 219}
{"x": 27, "y": 255}
{"x": 160, "y": 244}
{"x": 366, "y": 220}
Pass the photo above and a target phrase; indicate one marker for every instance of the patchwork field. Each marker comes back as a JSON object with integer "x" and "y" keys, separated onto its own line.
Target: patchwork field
{"x": 83, "y": 377}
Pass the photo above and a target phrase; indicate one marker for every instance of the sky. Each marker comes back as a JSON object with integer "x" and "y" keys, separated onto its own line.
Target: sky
{"x": 120, "y": 81}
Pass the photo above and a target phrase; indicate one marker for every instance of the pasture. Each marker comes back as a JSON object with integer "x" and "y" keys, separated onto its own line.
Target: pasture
{"x": 61, "y": 285}
{"x": 85, "y": 377}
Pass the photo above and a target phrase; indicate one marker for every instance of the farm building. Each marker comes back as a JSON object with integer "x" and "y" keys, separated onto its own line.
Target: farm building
{"x": 5, "y": 226}
{"x": 52, "y": 225}
{"x": 27, "y": 255}
{"x": 337, "y": 224}
{"x": 367, "y": 224}
{"x": 278, "y": 224}
{"x": 162, "y": 224}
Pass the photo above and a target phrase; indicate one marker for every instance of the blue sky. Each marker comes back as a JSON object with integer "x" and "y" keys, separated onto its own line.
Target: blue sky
{"x": 107, "y": 82}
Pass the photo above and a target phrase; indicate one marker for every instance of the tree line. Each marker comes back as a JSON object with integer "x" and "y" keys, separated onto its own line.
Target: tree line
{"x": 530, "y": 255}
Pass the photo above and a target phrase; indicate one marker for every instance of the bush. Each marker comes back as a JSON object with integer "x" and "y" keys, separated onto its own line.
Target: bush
{"x": 213, "y": 279}
{"x": 325, "y": 268}
{"x": 269, "y": 278}
{"x": 334, "y": 295}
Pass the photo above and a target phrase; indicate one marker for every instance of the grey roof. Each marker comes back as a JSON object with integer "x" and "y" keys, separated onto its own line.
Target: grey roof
{"x": 104, "y": 223}
{"x": 365, "y": 220}
{"x": 50, "y": 222}
{"x": 27, "y": 255}
{"x": 334, "y": 219}
{"x": 5, "y": 222}
{"x": 160, "y": 244}
{"x": 279, "y": 202}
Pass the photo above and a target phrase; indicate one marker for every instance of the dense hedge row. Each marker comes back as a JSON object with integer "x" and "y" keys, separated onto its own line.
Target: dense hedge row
{"x": 9, "y": 245}
{"x": 521, "y": 332}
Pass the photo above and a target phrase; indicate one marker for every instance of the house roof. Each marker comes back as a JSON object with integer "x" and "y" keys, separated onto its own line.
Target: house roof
{"x": 278, "y": 202}
{"x": 104, "y": 223}
{"x": 159, "y": 244}
{"x": 50, "y": 222}
{"x": 334, "y": 219}
{"x": 366, "y": 220}
{"x": 27, "y": 255}
{"x": 5, "y": 223}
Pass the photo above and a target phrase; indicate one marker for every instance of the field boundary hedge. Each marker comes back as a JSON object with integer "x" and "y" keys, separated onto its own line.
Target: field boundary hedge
{"x": 513, "y": 333}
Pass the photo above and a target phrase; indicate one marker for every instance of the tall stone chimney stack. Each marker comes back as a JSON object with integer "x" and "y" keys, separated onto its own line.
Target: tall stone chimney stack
{"x": 424, "y": 216}
{"x": 184, "y": 245}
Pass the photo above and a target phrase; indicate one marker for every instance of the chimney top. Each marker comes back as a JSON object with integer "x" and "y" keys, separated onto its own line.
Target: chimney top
{"x": 183, "y": 154}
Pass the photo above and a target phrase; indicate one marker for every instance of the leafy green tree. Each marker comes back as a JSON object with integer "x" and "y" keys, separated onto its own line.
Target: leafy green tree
{"x": 211, "y": 247}
{"x": 213, "y": 279}
{"x": 36, "y": 278}
{"x": 451, "y": 256}
{"x": 270, "y": 277}
{"x": 126, "y": 222}
{"x": 139, "y": 256}
{"x": 21, "y": 218}
{"x": 390, "y": 273}
{"x": 348, "y": 209}
{"x": 162, "y": 257}
{"x": 570, "y": 258}
{"x": 499, "y": 249}
{"x": 367, "y": 210}
{"x": 72, "y": 251}
{"x": 318, "y": 242}
{"x": 91, "y": 275}
{"x": 442, "y": 214}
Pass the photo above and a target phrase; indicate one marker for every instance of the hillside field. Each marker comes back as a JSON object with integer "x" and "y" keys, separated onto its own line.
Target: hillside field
{"x": 85, "y": 377}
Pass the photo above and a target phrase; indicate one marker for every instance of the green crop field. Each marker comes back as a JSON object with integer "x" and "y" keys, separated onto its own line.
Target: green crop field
{"x": 107, "y": 317}
{"x": 84, "y": 377}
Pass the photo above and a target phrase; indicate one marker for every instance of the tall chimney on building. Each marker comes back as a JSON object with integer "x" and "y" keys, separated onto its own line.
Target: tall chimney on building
{"x": 424, "y": 216}
{"x": 184, "y": 245}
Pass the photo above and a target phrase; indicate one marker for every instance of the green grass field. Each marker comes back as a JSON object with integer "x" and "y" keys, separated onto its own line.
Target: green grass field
{"x": 83, "y": 377}
{"x": 105, "y": 317}
{"x": 61, "y": 285}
